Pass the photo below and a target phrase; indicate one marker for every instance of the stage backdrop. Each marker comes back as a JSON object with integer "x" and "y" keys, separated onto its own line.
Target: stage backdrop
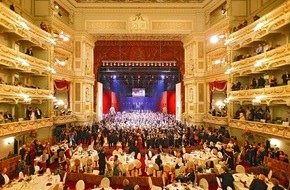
{"x": 138, "y": 51}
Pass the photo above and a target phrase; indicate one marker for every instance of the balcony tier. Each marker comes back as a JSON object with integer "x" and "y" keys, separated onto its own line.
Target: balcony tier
{"x": 64, "y": 119}
{"x": 273, "y": 22}
{"x": 17, "y": 60}
{"x": 15, "y": 93}
{"x": 12, "y": 22}
{"x": 23, "y": 126}
{"x": 208, "y": 118}
{"x": 269, "y": 95}
{"x": 269, "y": 60}
{"x": 265, "y": 128}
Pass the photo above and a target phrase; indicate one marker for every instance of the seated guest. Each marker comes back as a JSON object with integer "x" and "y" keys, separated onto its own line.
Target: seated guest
{"x": 285, "y": 77}
{"x": 29, "y": 51}
{"x": 190, "y": 176}
{"x": 127, "y": 185}
{"x": 276, "y": 184}
{"x": 261, "y": 82}
{"x": 4, "y": 179}
{"x": 227, "y": 179}
{"x": 158, "y": 161}
{"x": 272, "y": 81}
{"x": 12, "y": 7}
{"x": 8, "y": 117}
{"x": 43, "y": 26}
{"x": 256, "y": 17}
{"x": 259, "y": 183}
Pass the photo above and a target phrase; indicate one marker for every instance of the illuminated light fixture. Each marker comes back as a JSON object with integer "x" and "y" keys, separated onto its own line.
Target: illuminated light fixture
{"x": 258, "y": 26}
{"x": 62, "y": 63}
{"x": 227, "y": 41}
{"x": 52, "y": 41}
{"x": 56, "y": 7}
{"x": 162, "y": 76}
{"x": 258, "y": 63}
{"x": 65, "y": 38}
{"x": 52, "y": 70}
{"x": 220, "y": 104}
{"x": 24, "y": 25}
{"x": 9, "y": 140}
{"x": 218, "y": 61}
{"x": 228, "y": 71}
{"x": 216, "y": 38}
{"x": 227, "y": 100}
{"x": 258, "y": 99}
{"x": 27, "y": 99}
{"x": 23, "y": 62}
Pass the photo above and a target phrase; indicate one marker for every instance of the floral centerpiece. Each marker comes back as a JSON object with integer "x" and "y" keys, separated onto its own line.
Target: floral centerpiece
{"x": 248, "y": 135}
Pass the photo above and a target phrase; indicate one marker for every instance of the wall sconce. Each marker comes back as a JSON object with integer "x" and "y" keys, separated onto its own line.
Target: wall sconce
{"x": 216, "y": 38}
{"x": 258, "y": 26}
{"x": 9, "y": 140}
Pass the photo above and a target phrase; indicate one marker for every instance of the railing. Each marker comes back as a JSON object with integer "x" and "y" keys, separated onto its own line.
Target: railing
{"x": 15, "y": 59}
{"x": 265, "y": 128}
{"x": 268, "y": 94}
{"x": 19, "y": 91}
{"x": 64, "y": 119}
{"x": 14, "y": 22}
{"x": 208, "y": 118}
{"x": 22, "y": 126}
{"x": 272, "y": 21}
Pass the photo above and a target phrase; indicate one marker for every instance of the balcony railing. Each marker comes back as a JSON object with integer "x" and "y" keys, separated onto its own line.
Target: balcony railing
{"x": 20, "y": 61}
{"x": 14, "y": 23}
{"x": 265, "y": 128}
{"x": 208, "y": 118}
{"x": 271, "y": 22}
{"x": 23, "y": 126}
{"x": 270, "y": 94}
{"x": 19, "y": 92}
{"x": 64, "y": 119}
{"x": 269, "y": 60}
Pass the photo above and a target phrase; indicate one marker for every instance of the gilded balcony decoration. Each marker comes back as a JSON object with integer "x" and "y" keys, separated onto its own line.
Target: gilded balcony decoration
{"x": 274, "y": 21}
{"x": 269, "y": 95}
{"x": 14, "y": 23}
{"x": 208, "y": 118}
{"x": 277, "y": 57}
{"x": 24, "y": 126}
{"x": 64, "y": 119}
{"x": 20, "y": 93}
{"x": 259, "y": 127}
{"x": 20, "y": 61}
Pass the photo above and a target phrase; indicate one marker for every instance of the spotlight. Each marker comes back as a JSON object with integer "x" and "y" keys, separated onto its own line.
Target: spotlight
{"x": 162, "y": 76}
{"x": 114, "y": 76}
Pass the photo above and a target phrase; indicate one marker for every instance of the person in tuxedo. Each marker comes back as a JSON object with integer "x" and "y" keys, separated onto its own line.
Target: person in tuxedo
{"x": 127, "y": 185}
{"x": 276, "y": 186}
{"x": 102, "y": 162}
{"x": 259, "y": 183}
{"x": 158, "y": 161}
{"x": 28, "y": 113}
{"x": 285, "y": 77}
{"x": 34, "y": 169}
{"x": 190, "y": 176}
{"x": 4, "y": 179}
{"x": 38, "y": 113}
{"x": 29, "y": 51}
{"x": 8, "y": 117}
{"x": 22, "y": 151}
{"x": 227, "y": 179}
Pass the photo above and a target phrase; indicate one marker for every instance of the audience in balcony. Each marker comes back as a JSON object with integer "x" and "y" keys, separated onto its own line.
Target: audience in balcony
{"x": 38, "y": 113}
{"x": 240, "y": 26}
{"x": 285, "y": 78}
{"x": 1, "y": 117}
{"x": 8, "y": 117}
{"x": 272, "y": 81}
{"x": 12, "y": 7}
{"x": 43, "y": 26}
{"x": 261, "y": 82}
{"x": 259, "y": 49}
{"x": 29, "y": 51}
{"x": 256, "y": 17}
{"x": 253, "y": 84}
{"x": 237, "y": 85}
{"x": 241, "y": 56}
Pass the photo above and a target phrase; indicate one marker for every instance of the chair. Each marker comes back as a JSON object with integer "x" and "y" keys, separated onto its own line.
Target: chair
{"x": 90, "y": 147}
{"x": 139, "y": 156}
{"x": 48, "y": 172}
{"x": 153, "y": 187}
{"x": 131, "y": 170}
{"x": 229, "y": 188}
{"x": 156, "y": 169}
{"x": 56, "y": 187}
{"x": 240, "y": 169}
{"x": 270, "y": 174}
{"x": 80, "y": 185}
{"x": 115, "y": 152}
{"x": 203, "y": 184}
{"x": 132, "y": 155}
{"x": 219, "y": 183}
{"x": 150, "y": 154}
{"x": 20, "y": 175}
{"x": 105, "y": 183}
{"x": 138, "y": 165}
{"x": 62, "y": 184}
{"x": 120, "y": 151}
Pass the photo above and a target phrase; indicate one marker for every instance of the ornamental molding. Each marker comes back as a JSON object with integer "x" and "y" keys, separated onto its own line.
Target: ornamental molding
{"x": 111, "y": 26}
{"x": 173, "y": 26}
{"x": 215, "y": 120}
{"x": 24, "y": 126}
{"x": 64, "y": 119}
{"x": 264, "y": 128}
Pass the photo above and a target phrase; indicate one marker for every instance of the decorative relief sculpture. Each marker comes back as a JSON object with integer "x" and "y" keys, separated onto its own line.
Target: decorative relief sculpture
{"x": 138, "y": 24}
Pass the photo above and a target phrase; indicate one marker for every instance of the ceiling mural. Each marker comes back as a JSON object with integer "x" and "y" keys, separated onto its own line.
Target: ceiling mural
{"x": 139, "y": 1}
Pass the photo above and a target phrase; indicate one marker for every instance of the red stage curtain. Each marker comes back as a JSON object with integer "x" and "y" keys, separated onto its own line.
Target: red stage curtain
{"x": 218, "y": 86}
{"x": 63, "y": 85}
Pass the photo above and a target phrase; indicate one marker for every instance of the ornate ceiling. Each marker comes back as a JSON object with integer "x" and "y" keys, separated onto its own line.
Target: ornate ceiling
{"x": 139, "y": 1}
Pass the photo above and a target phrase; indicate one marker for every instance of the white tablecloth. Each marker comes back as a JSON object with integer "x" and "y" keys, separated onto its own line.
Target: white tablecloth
{"x": 44, "y": 182}
{"x": 243, "y": 178}
{"x": 181, "y": 186}
{"x": 166, "y": 159}
{"x": 201, "y": 157}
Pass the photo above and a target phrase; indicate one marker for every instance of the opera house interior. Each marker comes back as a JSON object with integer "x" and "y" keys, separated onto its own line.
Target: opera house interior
{"x": 144, "y": 94}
